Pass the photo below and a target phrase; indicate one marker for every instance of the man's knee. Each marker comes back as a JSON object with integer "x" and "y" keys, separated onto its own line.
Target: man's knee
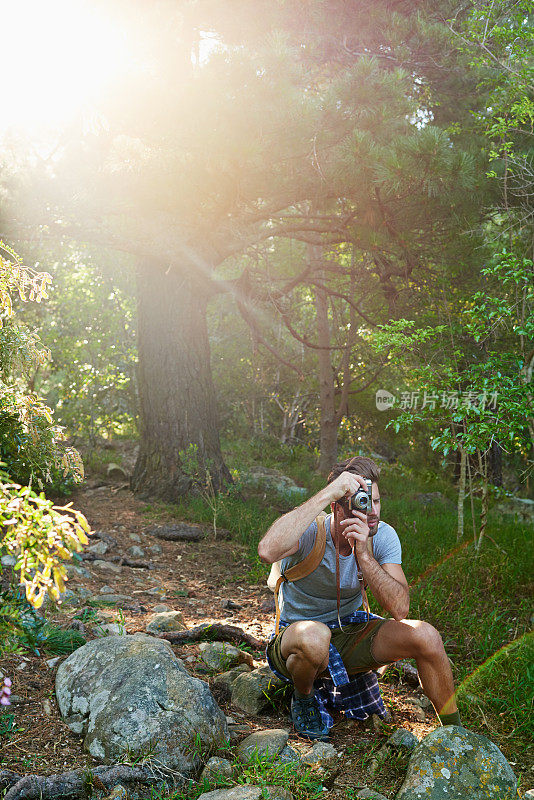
{"x": 307, "y": 639}
{"x": 427, "y": 641}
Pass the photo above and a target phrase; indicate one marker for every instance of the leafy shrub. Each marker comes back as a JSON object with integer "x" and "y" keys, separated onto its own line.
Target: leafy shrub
{"x": 40, "y": 535}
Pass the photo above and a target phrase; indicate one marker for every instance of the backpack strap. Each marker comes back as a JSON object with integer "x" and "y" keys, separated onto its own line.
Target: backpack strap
{"x": 304, "y": 567}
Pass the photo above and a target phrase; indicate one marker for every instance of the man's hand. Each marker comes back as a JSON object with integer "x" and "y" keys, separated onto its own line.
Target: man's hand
{"x": 356, "y": 531}
{"x": 345, "y": 485}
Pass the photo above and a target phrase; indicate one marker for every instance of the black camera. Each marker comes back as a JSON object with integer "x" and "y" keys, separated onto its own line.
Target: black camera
{"x": 362, "y": 500}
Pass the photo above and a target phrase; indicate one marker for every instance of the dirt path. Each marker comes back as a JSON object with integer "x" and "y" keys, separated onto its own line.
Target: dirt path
{"x": 198, "y": 579}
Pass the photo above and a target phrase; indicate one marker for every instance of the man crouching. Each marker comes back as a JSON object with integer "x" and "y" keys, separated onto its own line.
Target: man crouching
{"x": 325, "y": 637}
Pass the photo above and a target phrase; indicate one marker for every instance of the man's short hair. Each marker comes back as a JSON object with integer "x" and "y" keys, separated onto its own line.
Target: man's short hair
{"x": 359, "y": 465}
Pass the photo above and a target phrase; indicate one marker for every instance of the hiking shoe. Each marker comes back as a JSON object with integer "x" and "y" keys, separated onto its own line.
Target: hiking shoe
{"x": 306, "y": 718}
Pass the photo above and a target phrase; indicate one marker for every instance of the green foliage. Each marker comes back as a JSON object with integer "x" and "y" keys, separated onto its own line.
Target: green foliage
{"x": 30, "y": 442}
{"x": 40, "y": 536}
{"x": 469, "y": 404}
{"x": 89, "y": 327}
{"x": 501, "y": 691}
{"x": 22, "y": 629}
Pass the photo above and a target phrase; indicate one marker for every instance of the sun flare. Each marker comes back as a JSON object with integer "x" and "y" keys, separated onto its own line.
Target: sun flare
{"x": 58, "y": 57}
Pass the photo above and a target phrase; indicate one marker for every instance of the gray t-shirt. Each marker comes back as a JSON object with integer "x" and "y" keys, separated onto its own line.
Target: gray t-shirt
{"x": 314, "y": 597}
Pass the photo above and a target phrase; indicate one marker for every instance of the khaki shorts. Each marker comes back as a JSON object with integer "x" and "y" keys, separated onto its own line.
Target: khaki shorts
{"x": 358, "y": 658}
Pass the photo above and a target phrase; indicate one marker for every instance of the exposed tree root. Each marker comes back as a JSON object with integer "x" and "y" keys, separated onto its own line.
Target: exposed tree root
{"x": 215, "y": 630}
{"x": 81, "y": 783}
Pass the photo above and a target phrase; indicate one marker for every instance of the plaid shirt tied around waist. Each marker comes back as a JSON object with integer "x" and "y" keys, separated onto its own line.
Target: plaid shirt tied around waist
{"x": 359, "y": 696}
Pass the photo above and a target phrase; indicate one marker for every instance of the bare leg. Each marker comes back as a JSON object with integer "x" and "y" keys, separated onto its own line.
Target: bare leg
{"x": 412, "y": 638}
{"x": 305, "y": 648}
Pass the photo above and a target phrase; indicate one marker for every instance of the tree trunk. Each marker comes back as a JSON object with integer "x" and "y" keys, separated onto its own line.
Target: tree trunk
{"x": 329, "y": 418}
{"x": 461, "y": 493}
{"x": 176, "y": 392}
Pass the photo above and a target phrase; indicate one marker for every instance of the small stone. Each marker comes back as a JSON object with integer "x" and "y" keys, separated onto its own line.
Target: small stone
{"x": 414, "y": 701}
{"x": 15, "y": 698}
{"x": 156, "y": 549}
{"x": 47, "y": 707}
{"x": 321, "y": 753}
{"x": 8, "y": 561}
{"x": 136, "y": 552}
{"x": 231, "y": 605}
{"x": 216, "y": 768}
{"x": 22, "y": 665}
{"x": 277, "y": 793}
{"x": 135, "y": 537}
{"x": 419, "y": 713}
{"x": 402, "y": 739}
{"x": 107, "y": 566}
{"x": 166, "y": 621}
{"x": 73, "y": 570}
{"x": 225, "y": 680}
{"x": 235, "y": 793}
{"x": 251, "y": 691}
{"x": 370, "y": 794}
{"x": 161, "y": 608}
{"x": 265, "y": 744}
{"x": 51, "y": 662}
{"x": 112, "y": 598}
{"x": 106, "y": 589}
{"x": 157, "y": 591}
{"x": 99, "y": 548}
{"x": 529, "y": 795}
{"x": 83, "y": 592}
{"x": 117, "y": 793}
{"x": 221, "y": 655}
{"x": 288, "y": 755}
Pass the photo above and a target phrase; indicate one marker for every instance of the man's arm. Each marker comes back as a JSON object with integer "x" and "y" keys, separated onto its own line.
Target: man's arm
{"x": 388, "y": 585}
{"x": 282, "y": 538}
{"x": 388, "y": 582}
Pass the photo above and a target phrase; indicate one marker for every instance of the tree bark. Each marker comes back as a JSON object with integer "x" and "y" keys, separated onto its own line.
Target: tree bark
{"x": 461, "y": 493}
{"x": 176, "y": 392}
{"x": 329, "y": 417}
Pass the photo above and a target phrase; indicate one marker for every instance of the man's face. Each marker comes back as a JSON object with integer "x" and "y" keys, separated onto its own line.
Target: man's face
{"x": 374, "y": 516}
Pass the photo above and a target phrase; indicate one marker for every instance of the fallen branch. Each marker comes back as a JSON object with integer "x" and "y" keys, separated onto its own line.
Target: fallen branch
{"x": 177, "y": 533}
{"x": 77, "y": 782}
{"x": 213, "y": 631}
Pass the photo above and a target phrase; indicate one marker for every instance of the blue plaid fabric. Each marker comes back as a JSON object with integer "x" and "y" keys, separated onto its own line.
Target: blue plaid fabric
{"x": 358, "y": 697}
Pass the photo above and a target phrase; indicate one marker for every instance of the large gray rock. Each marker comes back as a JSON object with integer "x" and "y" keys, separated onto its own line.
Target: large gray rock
{"x": 452, "y": 763}
{"x": 272, "y": 480}
{"x": 249, "y": 691}
{"x": 130, "y": 694}
{"x": 262, "y": 744}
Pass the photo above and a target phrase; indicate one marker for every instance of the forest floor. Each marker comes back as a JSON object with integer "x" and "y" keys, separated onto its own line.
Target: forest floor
{"x": 197, "y": 579}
